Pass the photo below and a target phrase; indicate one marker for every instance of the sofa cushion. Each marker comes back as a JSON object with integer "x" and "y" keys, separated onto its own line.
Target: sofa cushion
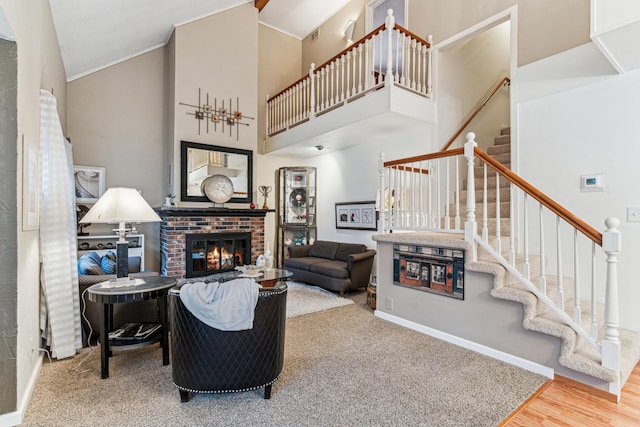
{"x": 89, "y": 263}
{"x": 346, "y": 249}
{"x": 108, "y": 263}
{"x": 323, "y": 249}
{"x": 336, "y": 269}
{"x": 303, "y": 263}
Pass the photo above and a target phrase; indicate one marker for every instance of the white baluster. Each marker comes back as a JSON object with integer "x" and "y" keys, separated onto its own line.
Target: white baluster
{"x": 485, "y": 216}
{"x": 543, "y": 262}
{"x": 560, "y": 296}
{"x": 360, "y": 73}
{"x": 470, "y": 225}
{"x": 367, "y": 65}
{"x": 382, "y": 200}
{"x": 413, "y": 64}
{"x": 594, "y": 301}
{"x": 457, "y": 218}
{"x": 342, "y": 94}
{"x": 266, "y": 114}
{"x": 447, "y": 191}
{"x": 390, "y": 22}
{"x": 611, "y": 244}
{"x": 421, "y": 216}
{"x": 527, "y": 270}
{"x": 498, "y": 216}
{"x": 403, "y": 59}
{"x": 512, "y": 227}
{"x": 312, "y": 91}
{"x": 430, "y": 66}
{"x": 438, "y": 186}
{"x": 420, "y": 61}
{"x": 577, "y": 310}
{"x": 396, "y": 78}
{"x": 354, "y": 53}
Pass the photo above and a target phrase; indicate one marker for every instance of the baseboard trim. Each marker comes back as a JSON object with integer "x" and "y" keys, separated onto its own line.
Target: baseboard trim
{"x": 479, "y": 348}
{"x": 16, "y": 417}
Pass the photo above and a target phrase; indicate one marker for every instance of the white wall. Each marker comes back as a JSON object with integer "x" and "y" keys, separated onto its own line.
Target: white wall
{"x": 577, "y": 129}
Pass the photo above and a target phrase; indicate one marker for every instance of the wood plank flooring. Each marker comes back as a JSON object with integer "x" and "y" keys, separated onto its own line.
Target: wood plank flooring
{"x": 561, "y": 403}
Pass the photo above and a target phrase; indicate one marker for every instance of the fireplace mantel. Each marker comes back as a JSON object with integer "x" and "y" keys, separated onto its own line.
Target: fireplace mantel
{"x": 209, "y": 212}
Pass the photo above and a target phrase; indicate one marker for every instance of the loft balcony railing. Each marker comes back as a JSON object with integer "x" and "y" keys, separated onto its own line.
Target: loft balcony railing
{"x": 423, "y": 193}
{"x": 388, "y": 56}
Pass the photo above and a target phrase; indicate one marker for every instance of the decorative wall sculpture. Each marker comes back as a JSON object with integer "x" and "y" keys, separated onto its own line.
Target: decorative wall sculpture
{"x": 218, "y": 116}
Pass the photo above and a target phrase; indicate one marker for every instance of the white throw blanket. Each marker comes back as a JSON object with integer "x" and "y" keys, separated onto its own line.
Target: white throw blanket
{"x": 227, "y": 306}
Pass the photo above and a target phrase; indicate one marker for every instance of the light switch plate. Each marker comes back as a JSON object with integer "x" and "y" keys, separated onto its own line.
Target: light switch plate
{"x": 633, "y": 214}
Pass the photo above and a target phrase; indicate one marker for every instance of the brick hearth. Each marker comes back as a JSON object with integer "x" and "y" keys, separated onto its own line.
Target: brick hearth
{"x": 177, "y": 222}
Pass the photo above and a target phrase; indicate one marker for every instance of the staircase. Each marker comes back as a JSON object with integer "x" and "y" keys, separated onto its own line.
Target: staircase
{"x": 549, "y": 261}
{"x": 575, "y": 352}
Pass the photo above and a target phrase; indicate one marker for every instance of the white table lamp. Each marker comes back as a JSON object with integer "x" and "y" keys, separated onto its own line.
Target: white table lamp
{"x": 119, "y": 205}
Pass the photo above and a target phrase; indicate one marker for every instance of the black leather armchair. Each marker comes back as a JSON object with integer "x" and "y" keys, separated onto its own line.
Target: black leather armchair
{"x": 208, "y": 360}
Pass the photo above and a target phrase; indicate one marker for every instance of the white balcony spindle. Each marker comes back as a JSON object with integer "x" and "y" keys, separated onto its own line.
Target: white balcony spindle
{"x": 360, "y": 72}
{"x": 390, "y": 22}
{"x": 594, "y": 301}
{"x": 498, "y": 216}
{"x": 342, "y": 75}
{"x": 312, "y": 91}
{"x": 429, "y": 67}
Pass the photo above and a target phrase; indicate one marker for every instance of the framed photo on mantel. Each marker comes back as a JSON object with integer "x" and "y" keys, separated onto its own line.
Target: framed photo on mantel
{"x": 356, "y": 216}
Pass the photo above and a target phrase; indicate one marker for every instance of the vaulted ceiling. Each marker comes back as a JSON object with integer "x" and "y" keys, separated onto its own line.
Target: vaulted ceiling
{"x": 94, "y": 34}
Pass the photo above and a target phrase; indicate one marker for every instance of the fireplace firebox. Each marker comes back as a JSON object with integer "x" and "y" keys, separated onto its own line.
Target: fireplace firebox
{"x": 209, "y": 253}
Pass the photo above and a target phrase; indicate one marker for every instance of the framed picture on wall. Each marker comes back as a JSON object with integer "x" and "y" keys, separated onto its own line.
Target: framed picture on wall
{"x": 356, "y": 216}
{"x": 89, "y": 182}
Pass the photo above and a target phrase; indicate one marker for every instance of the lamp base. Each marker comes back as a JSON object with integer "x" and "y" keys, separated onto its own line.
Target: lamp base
{"x": 122, "y": 259}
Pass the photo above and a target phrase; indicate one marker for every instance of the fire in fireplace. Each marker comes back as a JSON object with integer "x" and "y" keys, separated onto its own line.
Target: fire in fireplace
{"x": 209, "y": 253}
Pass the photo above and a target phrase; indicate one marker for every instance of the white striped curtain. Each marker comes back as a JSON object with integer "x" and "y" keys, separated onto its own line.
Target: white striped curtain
{"x": 59, "y": 275}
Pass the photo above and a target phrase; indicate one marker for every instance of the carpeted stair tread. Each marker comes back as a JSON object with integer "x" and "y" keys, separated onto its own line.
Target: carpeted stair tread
{"x": 505, "y": 131}
{"x": 505, "y": 194}
{"x": 499, "y": 149}
{"x": 502, "y": 139}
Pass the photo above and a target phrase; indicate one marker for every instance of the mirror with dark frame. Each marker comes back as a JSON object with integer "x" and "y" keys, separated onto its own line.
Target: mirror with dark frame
{"x": 200, "y": 161}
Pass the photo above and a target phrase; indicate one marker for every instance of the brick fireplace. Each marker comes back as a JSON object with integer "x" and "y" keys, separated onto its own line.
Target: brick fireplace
{"x": 177, "y": 223}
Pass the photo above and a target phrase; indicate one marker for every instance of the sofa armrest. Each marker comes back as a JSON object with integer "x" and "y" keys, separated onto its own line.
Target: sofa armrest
{"x": 360, "y": 266}
{"x": 299, "y": 251}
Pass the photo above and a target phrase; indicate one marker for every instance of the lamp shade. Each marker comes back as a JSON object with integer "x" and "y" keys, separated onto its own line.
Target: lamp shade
{"x": 120, "y": 204}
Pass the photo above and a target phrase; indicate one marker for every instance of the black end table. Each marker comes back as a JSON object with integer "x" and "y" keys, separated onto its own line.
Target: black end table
{"x": 140, "y": 289}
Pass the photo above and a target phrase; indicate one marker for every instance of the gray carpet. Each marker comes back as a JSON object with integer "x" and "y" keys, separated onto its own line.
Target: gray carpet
{"x": 343, "y": 367}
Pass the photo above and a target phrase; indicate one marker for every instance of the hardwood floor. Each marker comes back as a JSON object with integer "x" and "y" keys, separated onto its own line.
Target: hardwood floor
{"x": 561, "y": 403}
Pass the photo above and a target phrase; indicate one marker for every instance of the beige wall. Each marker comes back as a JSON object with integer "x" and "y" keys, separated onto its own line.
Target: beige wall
{"x": 39, "y": 66}
{"x": 219, "y": 56}
{"x": 545, "y": 27}
{"x": 117, "y": 120}
{"x": 279, "y": 59}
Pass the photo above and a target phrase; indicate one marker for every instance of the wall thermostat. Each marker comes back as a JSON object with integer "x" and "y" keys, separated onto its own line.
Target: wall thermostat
{"x": 592, "y": 182}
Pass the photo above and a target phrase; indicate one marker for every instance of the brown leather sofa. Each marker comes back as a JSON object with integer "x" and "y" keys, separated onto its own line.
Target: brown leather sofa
{"x": 338, "y": 267}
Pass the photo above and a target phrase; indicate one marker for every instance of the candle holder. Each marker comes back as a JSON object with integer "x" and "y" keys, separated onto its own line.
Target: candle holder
{"x": 265, "y": 190}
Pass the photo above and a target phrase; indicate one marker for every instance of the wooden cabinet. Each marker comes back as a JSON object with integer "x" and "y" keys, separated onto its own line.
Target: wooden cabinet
{"x": 102, "y": 244}
{"x": 296, "y": 209}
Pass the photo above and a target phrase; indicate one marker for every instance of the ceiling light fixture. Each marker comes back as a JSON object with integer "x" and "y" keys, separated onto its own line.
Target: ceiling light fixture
{"x": 348, "y": 30}
{"x": 319, "y": 147}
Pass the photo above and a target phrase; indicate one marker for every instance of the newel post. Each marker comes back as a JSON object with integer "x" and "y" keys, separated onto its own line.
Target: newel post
{"x": 266, "y": 115}
{"x": 382, "y": 197}
{"x": 611, "y": 245}
{"x": 389, "y": 22}
{"x": 470, "y": 225}
{"x": 312, "y": 92}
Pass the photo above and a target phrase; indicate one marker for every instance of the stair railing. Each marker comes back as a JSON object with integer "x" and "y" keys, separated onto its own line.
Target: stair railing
{"x": 389, "y": 55}
{"x": 423, "y": 193}
{"x": 503, "y": 83}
